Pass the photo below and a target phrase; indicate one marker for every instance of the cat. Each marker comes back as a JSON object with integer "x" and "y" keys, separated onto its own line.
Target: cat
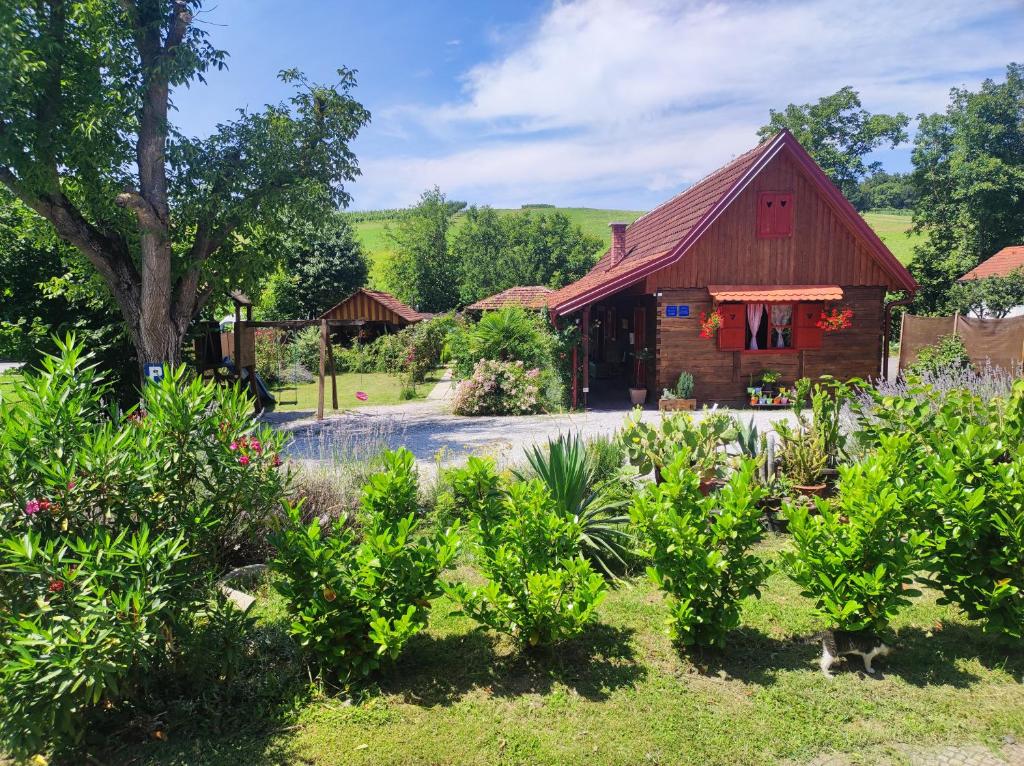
{"x": 838, "y": 643}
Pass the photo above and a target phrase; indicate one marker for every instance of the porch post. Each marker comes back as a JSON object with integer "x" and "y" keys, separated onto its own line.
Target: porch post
{"x": 585, "y": 329}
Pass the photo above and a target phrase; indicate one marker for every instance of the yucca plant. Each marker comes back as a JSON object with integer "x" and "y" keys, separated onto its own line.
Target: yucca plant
{"x": 600, "y": 506}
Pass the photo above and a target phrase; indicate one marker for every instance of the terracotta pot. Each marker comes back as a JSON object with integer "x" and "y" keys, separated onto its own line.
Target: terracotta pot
{"x": 811, "y": 490}
{"x": 677, "y": 404}
{"x": 637, "y": 395}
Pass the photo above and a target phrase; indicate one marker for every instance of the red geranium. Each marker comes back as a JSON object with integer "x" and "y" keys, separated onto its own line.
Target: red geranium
{"x": 834, "y": 319}
{"x": 710, "y": 322}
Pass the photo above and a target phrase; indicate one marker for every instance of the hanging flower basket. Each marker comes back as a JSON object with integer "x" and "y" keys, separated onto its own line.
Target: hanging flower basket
{"x": 835, "y": 318}
{"x": 710, "y": 323}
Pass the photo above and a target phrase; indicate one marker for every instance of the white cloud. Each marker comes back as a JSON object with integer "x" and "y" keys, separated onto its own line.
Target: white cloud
{"x": 607, "y": 95}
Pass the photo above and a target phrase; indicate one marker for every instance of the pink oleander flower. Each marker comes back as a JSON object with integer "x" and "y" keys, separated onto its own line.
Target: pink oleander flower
{"x": 56, "y": 586}
{"x": 32, "y": 507}
{"x": 244, "y": 460}
{"x": 72, "y": 484}
{"x": 256, "y": 446}
{"x": 276, "y": 462}
{"x": 233, "y": 446}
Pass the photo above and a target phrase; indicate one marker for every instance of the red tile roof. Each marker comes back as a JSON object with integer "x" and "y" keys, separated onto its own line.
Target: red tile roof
{"x": 388, "y": 301}
{"x": 1001, "y": 264}
{"x": 664, "y": 235}
{"x": 528, "y": 296}
{"x": 776, "y": 293}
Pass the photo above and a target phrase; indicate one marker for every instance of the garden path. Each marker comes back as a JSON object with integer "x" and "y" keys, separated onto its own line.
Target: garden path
{"x": 437, "y": 437}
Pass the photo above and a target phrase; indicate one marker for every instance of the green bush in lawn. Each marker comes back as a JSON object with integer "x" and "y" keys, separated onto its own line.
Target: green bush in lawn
{"x": 960, "y": 461}
{"x": 947, "y": 353}
{"x": 856, "y": 556}
{"x": 539, "y": 589}
{"x": 114, "y": 526}
{"x": 699, "y": 549}
{"x": 355, "y": 602}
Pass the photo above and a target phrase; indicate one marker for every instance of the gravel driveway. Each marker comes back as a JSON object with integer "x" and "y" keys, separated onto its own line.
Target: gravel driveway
{"x": 436, "y": 437}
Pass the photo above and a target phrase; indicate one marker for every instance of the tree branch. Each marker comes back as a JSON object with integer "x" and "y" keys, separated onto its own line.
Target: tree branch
{"x": 146, "y": 214}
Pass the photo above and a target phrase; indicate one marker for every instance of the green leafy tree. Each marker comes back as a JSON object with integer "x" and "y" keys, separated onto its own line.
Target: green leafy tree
{"x": 886, "y": 190}
{"x": 498, "y": 252}
{"x": 87, "y": 141}
{"x": 423, "y": 271}
{"x": 324, "y": 263}
{"x": 838, "y": 133}
{"x": 969, "y": 179}
{"x": 992, "y": 297}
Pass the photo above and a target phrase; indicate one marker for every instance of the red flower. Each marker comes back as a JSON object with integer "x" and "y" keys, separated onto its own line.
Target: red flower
{"x": 710, "y": 322}
{"x": 276, "y": 461}
{"x": 244, "y": 460}
{"x": 834, "y": 319}
{"x": 32, "y": 507}
{"x": 56, "y": 586}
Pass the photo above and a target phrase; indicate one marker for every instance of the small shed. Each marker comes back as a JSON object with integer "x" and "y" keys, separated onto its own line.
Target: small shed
{"x": 1002, "y": 264}
{"x": 372, "y": 312}
{"x": 533, "y": 297}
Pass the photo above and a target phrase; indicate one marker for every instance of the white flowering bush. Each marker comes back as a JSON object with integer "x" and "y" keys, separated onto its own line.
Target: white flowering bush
{"x": 499, "y": 388}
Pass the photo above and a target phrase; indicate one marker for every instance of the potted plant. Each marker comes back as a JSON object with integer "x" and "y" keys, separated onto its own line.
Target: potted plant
{"x": 803, "y": 456}
{"x": 769, "y": 380}
{"x": 638, "y": 393}
{"x": 678, "y": 398}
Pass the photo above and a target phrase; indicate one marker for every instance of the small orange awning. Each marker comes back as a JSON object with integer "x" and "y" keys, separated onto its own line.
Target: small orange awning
{"x": 775, "y": 293}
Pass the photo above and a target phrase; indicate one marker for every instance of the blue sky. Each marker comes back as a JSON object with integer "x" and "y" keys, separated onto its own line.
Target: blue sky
{"x": 600, "y": 103}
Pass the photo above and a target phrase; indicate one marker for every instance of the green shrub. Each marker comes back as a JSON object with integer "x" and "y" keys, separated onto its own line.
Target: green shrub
{"x": 305, "y": 347}
{"x": 84, "y": 619}
{"x": 856, "y": 556}
{"x": 356, "y": 602}
{"x": 947, "y": 353}
{"x": 538, "y": 589}
{"x": 100, "y": 506}
{"x": 699, "y": 549}
{"x": 651, "y": 448}
{"x": 499, "y": 388}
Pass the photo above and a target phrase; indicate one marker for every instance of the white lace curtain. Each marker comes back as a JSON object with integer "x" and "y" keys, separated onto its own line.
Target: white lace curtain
{"x": 782, "y": 315}
{"x": 754, "y": 313}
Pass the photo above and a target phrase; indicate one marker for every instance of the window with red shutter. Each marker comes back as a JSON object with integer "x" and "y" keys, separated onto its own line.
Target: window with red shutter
{"x": 732, "y": 333}
{"x": 774, "y": 215}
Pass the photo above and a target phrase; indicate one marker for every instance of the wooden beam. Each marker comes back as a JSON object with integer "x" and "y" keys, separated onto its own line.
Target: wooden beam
{"x": 334, "y": 375}
{"x": 585, "y": 330}
{"x": 323, "y": 370}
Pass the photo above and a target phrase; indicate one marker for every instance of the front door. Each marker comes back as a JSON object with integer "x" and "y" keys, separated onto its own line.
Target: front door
{"x": 639, "y": 346}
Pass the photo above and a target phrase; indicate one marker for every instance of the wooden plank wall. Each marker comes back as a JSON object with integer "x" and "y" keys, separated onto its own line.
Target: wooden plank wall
{"x": 822, "y": 250}
{"x": 723, "y": 376}
{"x": 362, "y": 306}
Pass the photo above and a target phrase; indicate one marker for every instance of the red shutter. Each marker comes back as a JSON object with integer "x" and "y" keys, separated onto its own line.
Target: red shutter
{"x": 732, "y": 334}
{"x": 783, "y": 215}
{"x": 766, "y": 214}
{"x": 806, "y": 333}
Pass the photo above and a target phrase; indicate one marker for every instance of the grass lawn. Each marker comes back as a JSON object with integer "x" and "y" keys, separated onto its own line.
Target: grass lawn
{"x": 7, "y": 381}
{"x": 622, "y": 694}
{"x": 894, "y": 230}
{"x": 381, "y": 388}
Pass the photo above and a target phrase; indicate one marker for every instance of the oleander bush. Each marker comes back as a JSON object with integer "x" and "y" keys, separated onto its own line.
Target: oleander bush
{"x": 538, "y": 588}
{"x": 699, "y": 549}
{"x": 113, "y": 527}
{"x": 499, "y": 388}
{"x": 354, "y": 601}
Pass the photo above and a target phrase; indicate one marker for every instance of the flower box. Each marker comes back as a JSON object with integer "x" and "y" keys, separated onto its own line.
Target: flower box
{"x": 673, "y": 405}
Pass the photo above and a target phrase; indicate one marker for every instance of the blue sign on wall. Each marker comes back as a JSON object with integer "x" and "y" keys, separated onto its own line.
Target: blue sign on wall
{"x": 677, "y": 311}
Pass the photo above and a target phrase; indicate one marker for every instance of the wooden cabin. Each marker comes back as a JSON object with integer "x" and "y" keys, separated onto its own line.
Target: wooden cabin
{"x": 532, "y": 297}
{"x": 369, "y": 313}
{"x": 770, "y": 242}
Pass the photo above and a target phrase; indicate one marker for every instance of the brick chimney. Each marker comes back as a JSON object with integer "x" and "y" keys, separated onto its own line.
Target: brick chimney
{"x": 618, "y": 242}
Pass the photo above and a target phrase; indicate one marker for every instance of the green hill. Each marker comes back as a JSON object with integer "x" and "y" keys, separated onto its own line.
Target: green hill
{"x": 371, "y": 228}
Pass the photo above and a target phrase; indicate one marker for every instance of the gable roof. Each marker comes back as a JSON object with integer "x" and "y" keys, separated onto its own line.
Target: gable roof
{"x": 527, "y": 296}
{"x": 1001, "y": 264}
{"x": 385, "y": 300}
{"x": 664, "y": 235}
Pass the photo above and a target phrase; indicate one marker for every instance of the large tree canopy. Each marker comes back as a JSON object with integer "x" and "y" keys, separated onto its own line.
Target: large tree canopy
{"x": 87, "y": 142}
{"x": 839, "y": 134}
{"x": 969, "y": 178}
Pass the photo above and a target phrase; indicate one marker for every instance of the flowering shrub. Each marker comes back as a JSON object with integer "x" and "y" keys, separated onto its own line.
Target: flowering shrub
{"x": 499, "y": 388}
{"x": 98, "y": 507}
{"x": 834, "y": 319}
{"x": 710, "y": 323}
{"x": 354, "y": 602}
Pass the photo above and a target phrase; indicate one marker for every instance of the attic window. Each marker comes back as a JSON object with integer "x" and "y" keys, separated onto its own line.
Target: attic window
{"x": 774, "y": 215}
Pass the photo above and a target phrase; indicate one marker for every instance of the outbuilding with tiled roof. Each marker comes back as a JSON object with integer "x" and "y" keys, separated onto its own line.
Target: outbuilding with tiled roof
{"x": 768, "y": 243}
{"x": 1002, "y": 264}
{"x": 373, "y": 309}
{"x": 527, "y": 296}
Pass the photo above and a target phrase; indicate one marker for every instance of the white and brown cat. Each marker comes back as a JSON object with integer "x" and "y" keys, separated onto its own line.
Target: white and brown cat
{"x": 836, "y": 644}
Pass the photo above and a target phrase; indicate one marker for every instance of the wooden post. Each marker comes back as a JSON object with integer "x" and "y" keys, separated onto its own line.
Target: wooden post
{"x": 238, "y": 343}
{"x": 334, "y": 374}
{"x": 323, "y": 365}
{"x": 586, "y": 355}
{"x": 575, "y": 371}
